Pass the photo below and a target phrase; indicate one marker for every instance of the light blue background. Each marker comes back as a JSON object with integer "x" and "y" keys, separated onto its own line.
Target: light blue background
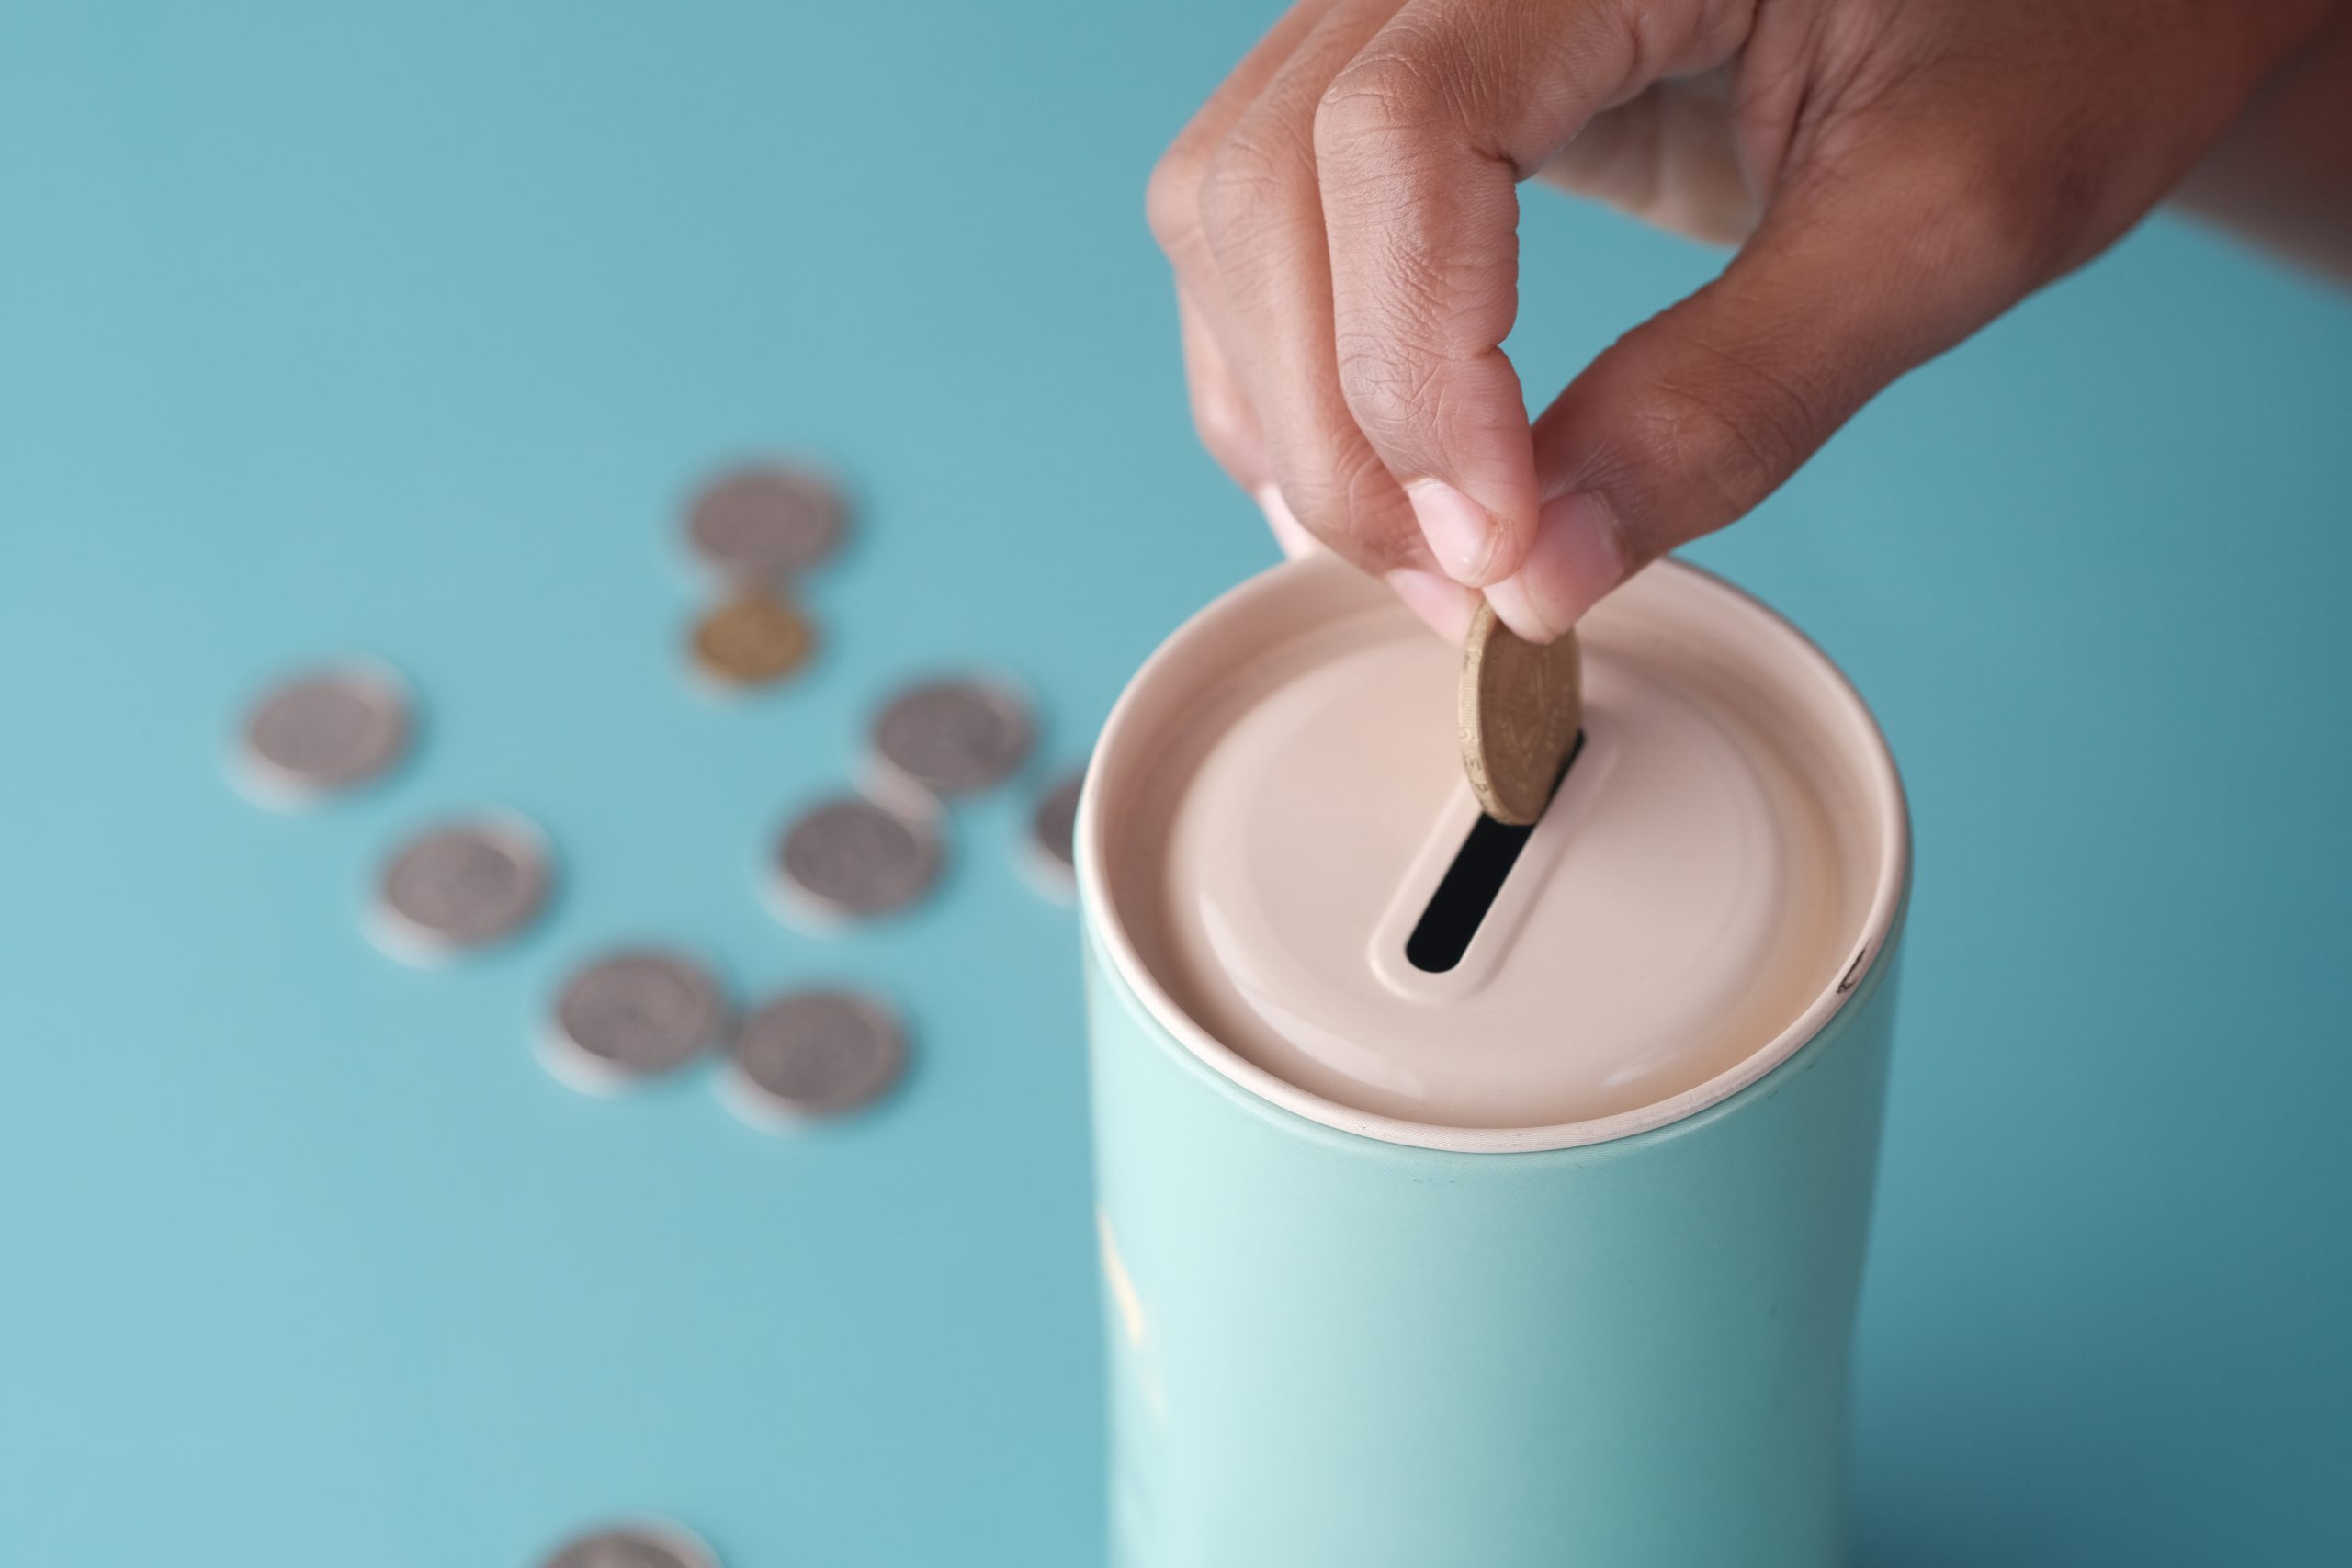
{"x": 405, "y": 329}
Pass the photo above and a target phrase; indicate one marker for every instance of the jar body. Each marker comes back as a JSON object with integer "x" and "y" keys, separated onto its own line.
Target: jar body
{"x": 1327, "y": 1349}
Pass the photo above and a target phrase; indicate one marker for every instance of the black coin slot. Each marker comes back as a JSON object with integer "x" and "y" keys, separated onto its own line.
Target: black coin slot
{"x": 1471, "y": 885}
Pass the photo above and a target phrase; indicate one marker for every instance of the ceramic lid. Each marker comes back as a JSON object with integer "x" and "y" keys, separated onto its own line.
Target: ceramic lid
{"x": 1279, "y": 796}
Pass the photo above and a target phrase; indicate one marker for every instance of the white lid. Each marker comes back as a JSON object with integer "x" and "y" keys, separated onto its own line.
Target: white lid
{"x": 1280, "y": 791}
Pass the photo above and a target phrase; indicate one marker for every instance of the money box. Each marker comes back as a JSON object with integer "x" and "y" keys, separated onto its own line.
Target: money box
{"x": 1471, "y": 1195}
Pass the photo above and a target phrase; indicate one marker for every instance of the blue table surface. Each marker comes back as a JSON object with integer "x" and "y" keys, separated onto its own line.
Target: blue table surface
{"x": 405, "y": 330}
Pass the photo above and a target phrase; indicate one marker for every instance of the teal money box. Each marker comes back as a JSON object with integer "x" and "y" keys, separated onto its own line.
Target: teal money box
{"x": 1535, "y": 1242}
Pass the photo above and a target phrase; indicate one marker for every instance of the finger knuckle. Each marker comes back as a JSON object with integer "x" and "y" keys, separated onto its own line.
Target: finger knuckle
{"x": 2008, "y": 218}
{"x": 1378, "y": 103}
{"x": 1171, "y": 197}
{"x": 1992, "y": 212}
{"x": 2040, "y": 206}
{"x": 1240, "y": 185}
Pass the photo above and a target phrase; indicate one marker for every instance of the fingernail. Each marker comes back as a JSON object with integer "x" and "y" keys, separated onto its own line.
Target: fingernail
{"x": 1289, "y": 532}
{"x": 1460, "y": 532}
{"x": 1446, "y": 606}
{"x": 1578, "y": 556}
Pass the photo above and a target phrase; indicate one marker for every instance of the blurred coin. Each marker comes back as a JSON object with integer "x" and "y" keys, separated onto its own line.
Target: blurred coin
{"x": 1053, "y": 830}
{"x": 1520, "y": 711}
{"x": 952, "y": 737}
{"x": 850, "y": 856}
{"x": 630, "y": 1016}
{"x": 751, "y": 641}
{"x": 656, "y": 1544}
{"x": 461, "y": 886}
{"x": 758, "y": 525}
{"x": 323, "y": 731}
{"x": 815, "y": 1053}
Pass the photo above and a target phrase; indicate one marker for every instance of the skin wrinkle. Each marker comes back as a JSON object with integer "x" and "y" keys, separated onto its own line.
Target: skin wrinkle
{"x": 1693, "y": 47}
{"x": 1247, "y": 178}
{"x": 1829, "y": 73}
{"x": 1771, "y": 97}
{"x": 1522, "y": 135}
{"x": 1383, "y": 390}
{"x": 1251, "y": 227}
{"x": 1359, "y": 487}
{"x": 1383, "y": 96}
{"x": 1791, "y": 415}
{"x": 1459, "y": 100}
{"x": 1387, "y": 343}
{"x": 1519, "y": 137}
{"x": 1453, "y": 297}
{"x": 1686, "y": 411}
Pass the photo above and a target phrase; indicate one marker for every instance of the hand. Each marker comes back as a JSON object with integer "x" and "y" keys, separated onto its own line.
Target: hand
{"x": 1342, "y": 218}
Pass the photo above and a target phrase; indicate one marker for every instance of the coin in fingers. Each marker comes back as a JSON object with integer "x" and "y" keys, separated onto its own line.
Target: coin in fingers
{"x": 1521, "y": 707}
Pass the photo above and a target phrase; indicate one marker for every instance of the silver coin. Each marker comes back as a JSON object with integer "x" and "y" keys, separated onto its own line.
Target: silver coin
{"x": 758, "y": 525}
{"x": 636, "y": 1014}
{"x": 462, "y": 885}
{"x": 851, "y": 857}
{"x": 653, "y": 1545}
{"x": 815, "y": 1052}
{"x": 952, "y": 737}
{"x": 323, "y": 731}
{"x": 1053, "y": 834}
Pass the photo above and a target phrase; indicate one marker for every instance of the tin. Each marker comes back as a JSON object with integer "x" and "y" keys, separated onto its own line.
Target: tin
{"x": 1549, "y": 1256}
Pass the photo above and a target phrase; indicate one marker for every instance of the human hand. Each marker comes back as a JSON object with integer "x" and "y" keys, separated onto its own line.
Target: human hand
{"x": 1342, "y": 218}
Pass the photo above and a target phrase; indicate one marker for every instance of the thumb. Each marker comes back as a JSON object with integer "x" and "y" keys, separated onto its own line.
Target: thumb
{"x": 1697, "y": 414}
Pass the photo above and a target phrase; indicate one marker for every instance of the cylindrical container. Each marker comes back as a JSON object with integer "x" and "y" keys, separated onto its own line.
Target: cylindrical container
{"x": 1549, "y": 1256}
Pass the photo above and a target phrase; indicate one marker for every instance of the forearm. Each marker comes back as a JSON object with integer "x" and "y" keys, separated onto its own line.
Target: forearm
{"x": 2283, "y": 174}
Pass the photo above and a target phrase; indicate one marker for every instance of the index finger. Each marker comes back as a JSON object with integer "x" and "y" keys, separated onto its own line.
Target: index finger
{"x": 1421, "y": 142}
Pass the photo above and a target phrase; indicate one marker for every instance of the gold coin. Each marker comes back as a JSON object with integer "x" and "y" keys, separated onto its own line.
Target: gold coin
{"x": 751, "y": 641}
{"x": 1521, "y": 707}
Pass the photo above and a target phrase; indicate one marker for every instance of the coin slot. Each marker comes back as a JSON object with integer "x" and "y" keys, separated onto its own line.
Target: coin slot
{"x": 1471, "y": 885}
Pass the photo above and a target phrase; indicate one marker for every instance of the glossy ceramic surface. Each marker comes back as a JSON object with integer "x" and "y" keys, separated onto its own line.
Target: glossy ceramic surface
{"x": 1344, "y": 1339}
{"x": 1277, "y": 797}
{"x": 1331, "y": 1351}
